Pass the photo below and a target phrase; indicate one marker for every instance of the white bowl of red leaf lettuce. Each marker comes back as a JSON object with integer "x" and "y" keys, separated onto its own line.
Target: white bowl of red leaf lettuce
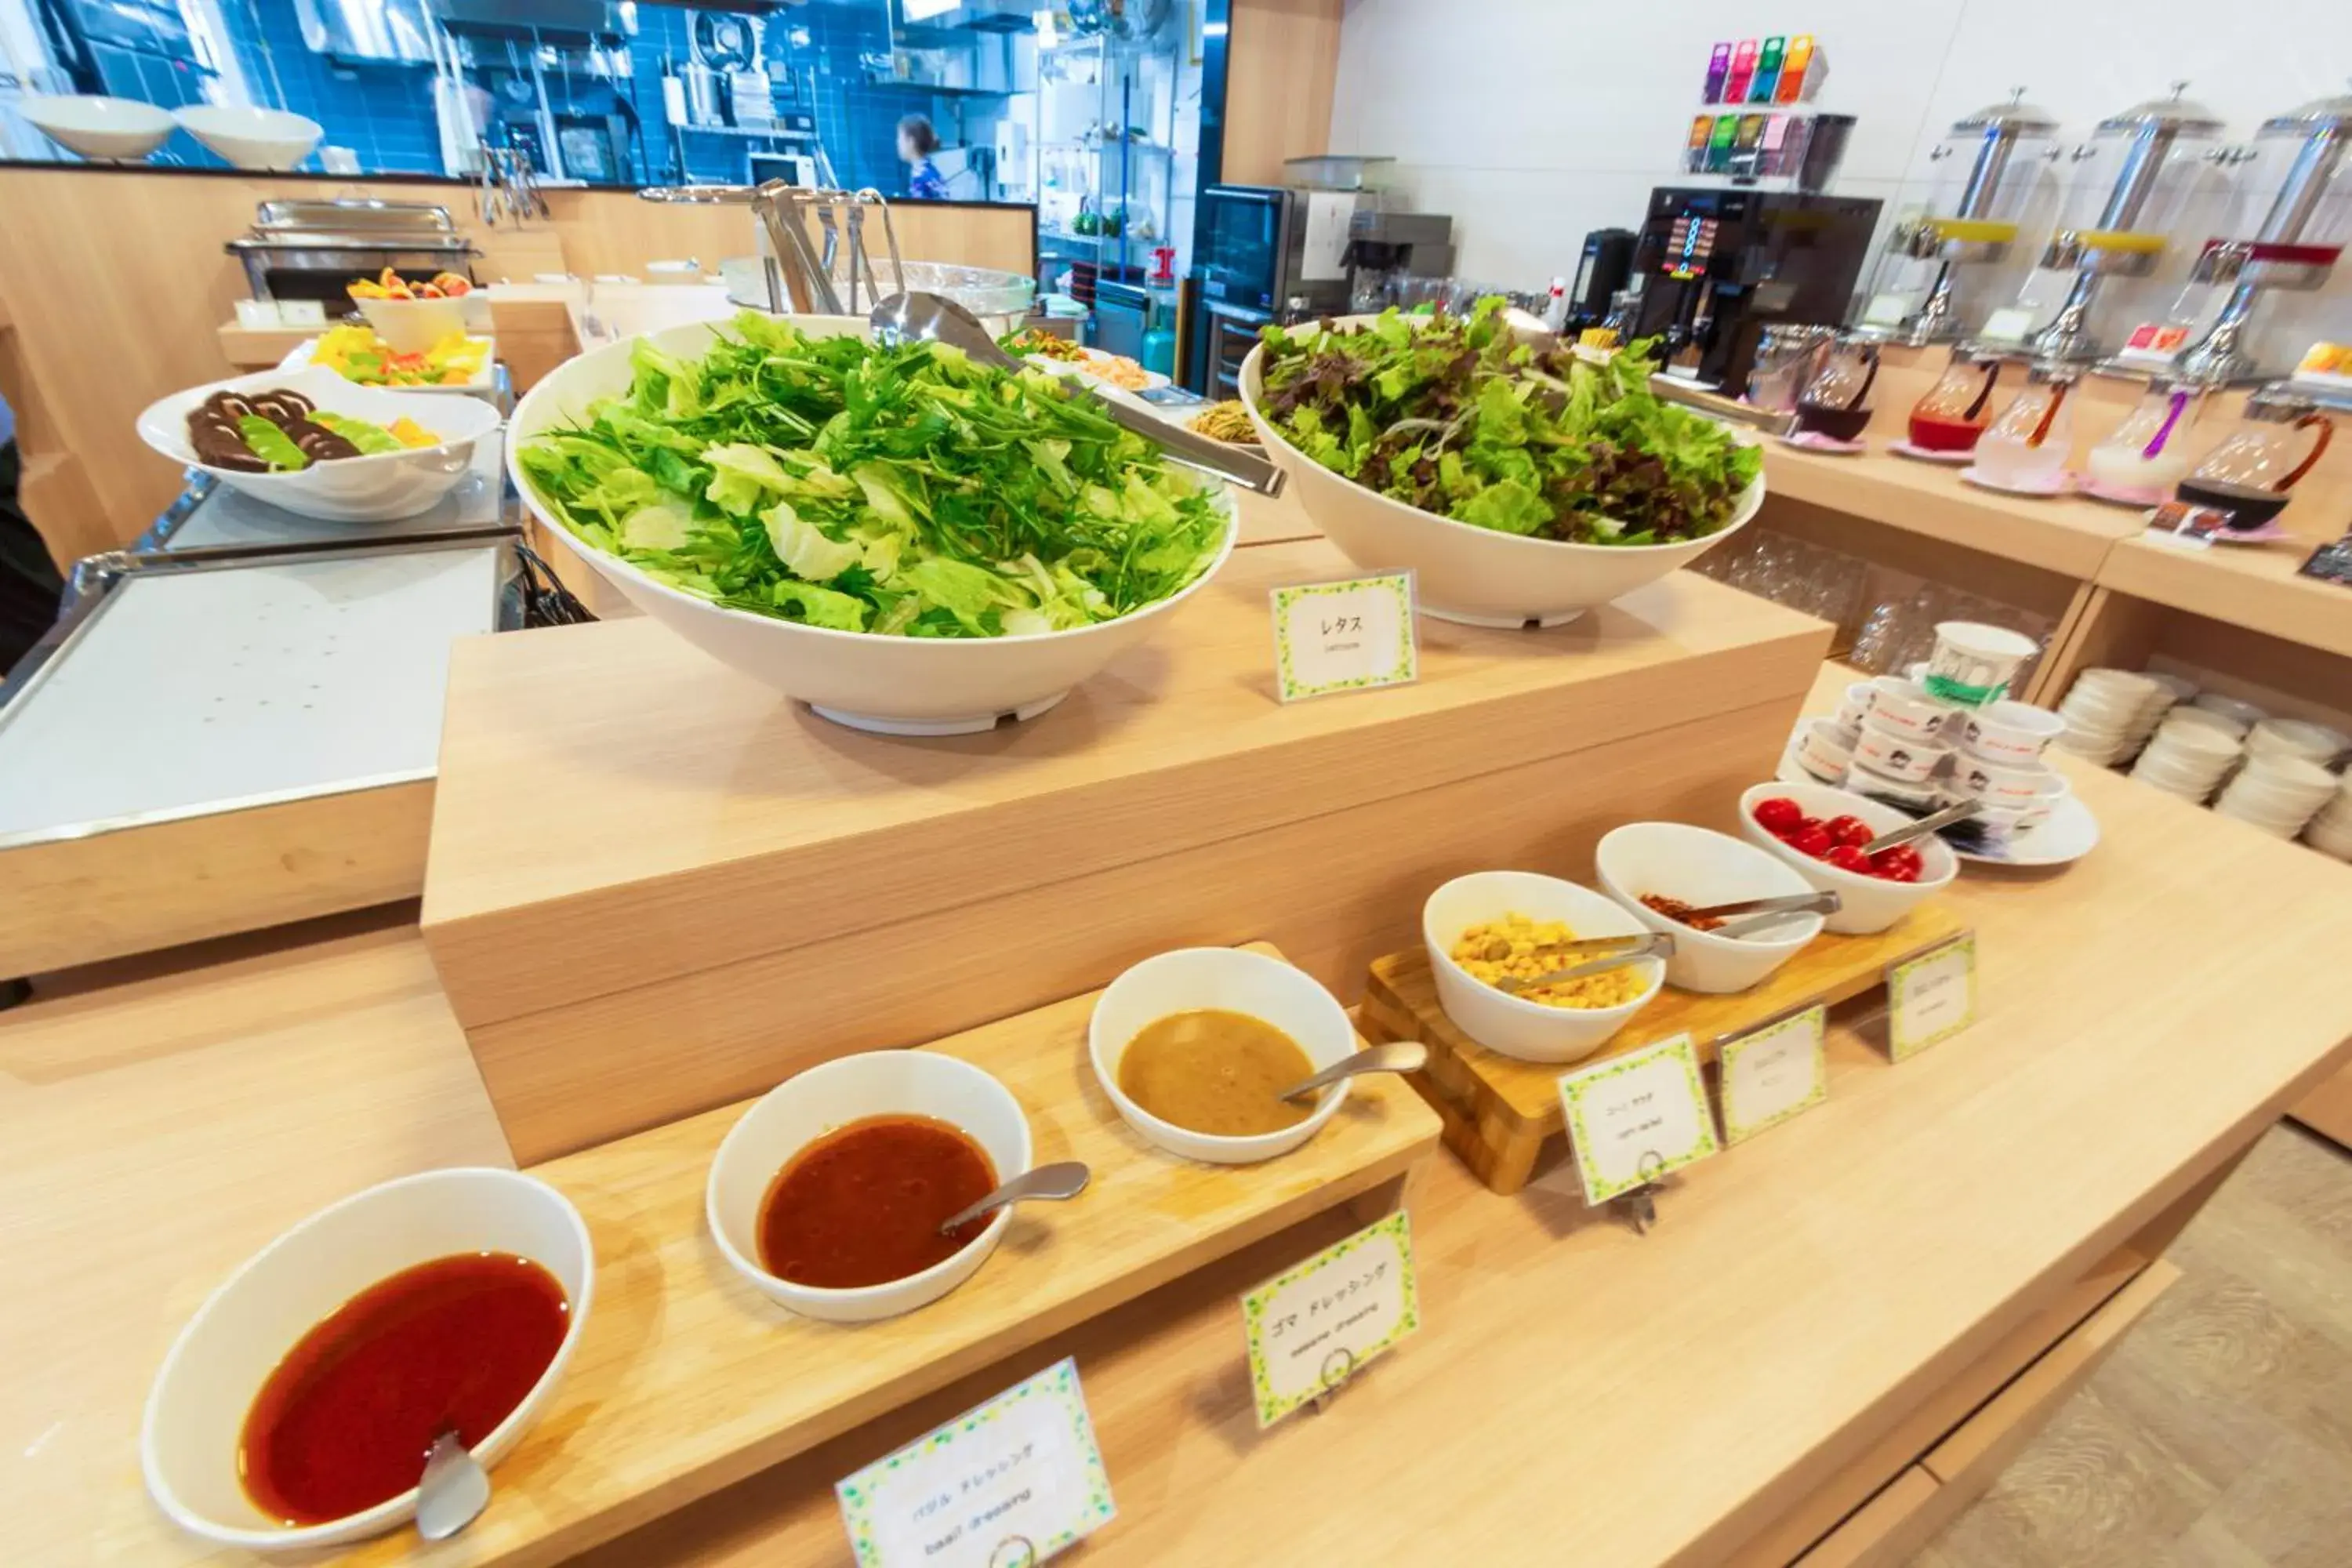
{"x": 1519, "y": 482}
{"x": 904, "y": 539}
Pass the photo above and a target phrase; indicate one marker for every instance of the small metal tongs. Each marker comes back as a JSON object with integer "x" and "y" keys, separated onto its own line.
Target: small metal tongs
{"x": 916, "y": 316}
{"x": 1923, "y": 827}
{"x": 1630, "y": 950}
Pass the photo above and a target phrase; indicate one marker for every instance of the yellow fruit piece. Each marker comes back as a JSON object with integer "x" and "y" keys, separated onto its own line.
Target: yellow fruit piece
{"x": 409, "y": 433}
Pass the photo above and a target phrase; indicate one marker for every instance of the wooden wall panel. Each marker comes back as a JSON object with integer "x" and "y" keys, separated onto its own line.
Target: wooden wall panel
{"x": 1283, "y": 59}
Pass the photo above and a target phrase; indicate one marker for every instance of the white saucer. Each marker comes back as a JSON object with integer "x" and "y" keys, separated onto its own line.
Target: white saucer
{"x": 2062, "y": 485}
{"x": 1922, "y": 455}
{"x": 1814, "y": 441}
{"x": 2070, "y": 833}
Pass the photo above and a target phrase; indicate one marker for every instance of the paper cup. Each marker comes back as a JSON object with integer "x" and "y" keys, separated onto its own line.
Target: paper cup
{"x": 1973, "y": 663}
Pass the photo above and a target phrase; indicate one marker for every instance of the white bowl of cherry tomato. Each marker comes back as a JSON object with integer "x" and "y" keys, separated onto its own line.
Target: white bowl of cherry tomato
{"x": 1819, "y": 831}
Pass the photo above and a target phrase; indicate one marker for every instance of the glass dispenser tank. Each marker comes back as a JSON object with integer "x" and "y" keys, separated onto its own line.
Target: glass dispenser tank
{"x": 1986, "y": 169}
{"x": 2124, "y": 192}
{"x": 2285, "y": 231}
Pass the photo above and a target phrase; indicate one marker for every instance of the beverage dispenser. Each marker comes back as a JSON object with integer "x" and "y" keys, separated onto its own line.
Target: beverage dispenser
{"x": 2286, "y": 229}
{"x": 2123, "y": 193}
{"x": 1986, "y": 168}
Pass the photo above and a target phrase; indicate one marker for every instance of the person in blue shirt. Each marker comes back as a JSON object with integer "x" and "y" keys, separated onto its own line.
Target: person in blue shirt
{"x": 917, "y": 142}
{"x": 29, "y": 584}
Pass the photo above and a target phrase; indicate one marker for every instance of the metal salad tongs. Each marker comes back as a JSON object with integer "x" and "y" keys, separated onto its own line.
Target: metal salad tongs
{"x": 805, "y": 269}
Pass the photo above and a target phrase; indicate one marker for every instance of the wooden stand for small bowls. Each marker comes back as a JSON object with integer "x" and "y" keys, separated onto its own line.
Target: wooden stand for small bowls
{"x": 687, "y": 1379}
{"x": 1498, "y": 1111}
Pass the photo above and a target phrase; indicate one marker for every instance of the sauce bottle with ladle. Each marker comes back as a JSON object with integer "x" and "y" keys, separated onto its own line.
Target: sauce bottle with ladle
{"x": 2248, "y": 476}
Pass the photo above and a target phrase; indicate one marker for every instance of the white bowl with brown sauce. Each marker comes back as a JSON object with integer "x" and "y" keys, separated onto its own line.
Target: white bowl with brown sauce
{"x": 1188, "y": 1034}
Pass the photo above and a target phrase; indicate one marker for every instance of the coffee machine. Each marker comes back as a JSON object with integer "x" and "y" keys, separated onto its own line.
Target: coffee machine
{"x": 1600, "y": 271}
{"x": 1386, "y": 251}
{"x": 1722, "y": 265}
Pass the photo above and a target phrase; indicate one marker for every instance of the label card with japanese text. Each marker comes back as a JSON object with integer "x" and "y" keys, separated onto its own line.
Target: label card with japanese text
{"x": 1930, "y": 998}
{"x": 1634, "y": 1117}
{"x": 1006, "y": 1484}
{"x": 1348, "y": 636}
{"x": 1313, "y": 1327}
{"x": 1773, "y": 1073}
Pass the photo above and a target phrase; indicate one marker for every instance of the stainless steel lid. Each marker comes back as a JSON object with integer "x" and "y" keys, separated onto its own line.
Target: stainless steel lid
{"x": 2017, "y": 117}
{"x": 2320, "y": 115}
{"x": 2177, "y": 114}
{"x": 353, "y": 215}
{"x": 2279, "y": 403}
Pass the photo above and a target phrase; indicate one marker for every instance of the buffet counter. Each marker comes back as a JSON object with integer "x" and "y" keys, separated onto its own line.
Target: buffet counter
{"x": 1836, "y": 1333}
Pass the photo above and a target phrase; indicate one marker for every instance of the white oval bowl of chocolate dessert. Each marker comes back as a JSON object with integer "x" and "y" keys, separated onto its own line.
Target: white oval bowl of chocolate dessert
{"x": 320, "y": 446}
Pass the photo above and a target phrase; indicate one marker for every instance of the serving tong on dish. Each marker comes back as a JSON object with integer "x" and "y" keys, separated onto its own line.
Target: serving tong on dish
{"x": 1959, "y": 812}
{"x": 916, "y": 316}
{"x": 1629, "y": 950}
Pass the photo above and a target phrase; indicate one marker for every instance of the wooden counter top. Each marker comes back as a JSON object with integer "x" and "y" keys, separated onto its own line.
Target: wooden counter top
{"x": 1649, "y": 1400}
{"x": 2256, "y": 586}
{"x": 2069, "y": 534}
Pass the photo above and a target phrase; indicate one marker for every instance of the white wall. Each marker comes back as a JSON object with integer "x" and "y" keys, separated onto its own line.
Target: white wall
{"x": 1532, "y": 122}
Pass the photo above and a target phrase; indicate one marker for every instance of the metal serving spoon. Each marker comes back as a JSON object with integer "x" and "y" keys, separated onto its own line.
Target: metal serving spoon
{"x": 1404, "y": 1055}
{"x": 454, "y": 1492}
{"x": 1658, "y": 944}
{"x": 919, "y": 317}
{"x": 1047, "y": 1184}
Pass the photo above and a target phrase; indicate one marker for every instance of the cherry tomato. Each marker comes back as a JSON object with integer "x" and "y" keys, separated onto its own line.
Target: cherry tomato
{"x": 1811, "y": 840}
{"x": 1903, "y": 859}
{"x": 1901, "y": 873}
{"x": 1779, "y": 814}
{"x": 1850, "y": 858}
{"x": 1850, "y": 830}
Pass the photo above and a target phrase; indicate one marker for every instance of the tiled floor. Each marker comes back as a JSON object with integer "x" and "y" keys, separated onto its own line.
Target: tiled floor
{"x": 2219, "y": 1435}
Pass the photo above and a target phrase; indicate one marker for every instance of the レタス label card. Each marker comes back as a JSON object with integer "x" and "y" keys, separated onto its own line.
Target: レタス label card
{"x": 1773, "y": 1073}
{"x": 1634, "y": 1117}
{"x": 1350, "y": 636}
{"x": 1314, "y": 1327}
{"x": 1930, "y": 998}
{"x": 1004, "y": 1485}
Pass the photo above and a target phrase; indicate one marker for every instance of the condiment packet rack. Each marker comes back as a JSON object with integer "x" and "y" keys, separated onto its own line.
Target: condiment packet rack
{"x": 1498, "y": 1111}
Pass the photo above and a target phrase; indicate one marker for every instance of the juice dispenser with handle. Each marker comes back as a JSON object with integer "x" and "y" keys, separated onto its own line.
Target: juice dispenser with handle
{"x": 2149, "y": 452}
{"x": 1954, "y": 412}
{"x": 2125, "y": 188}
{"x": 1986, "y": 169}
{"x": 2027, "y": 446}
{"x": 1836, "y": 403}
{"x": 2286, "y": 230}
{"x": 2248, "y": 476}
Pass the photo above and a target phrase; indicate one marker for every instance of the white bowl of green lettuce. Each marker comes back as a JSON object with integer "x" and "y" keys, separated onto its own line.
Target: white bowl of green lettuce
{"x": 1561, "y": 486}
{"x": 388, "y": 480}
{"x": 905, "y": 540}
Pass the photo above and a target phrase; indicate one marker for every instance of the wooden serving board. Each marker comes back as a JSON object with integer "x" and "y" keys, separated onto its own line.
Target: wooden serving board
{"x": 687, "y": 1379}
{"x": 1498, "y": 1111}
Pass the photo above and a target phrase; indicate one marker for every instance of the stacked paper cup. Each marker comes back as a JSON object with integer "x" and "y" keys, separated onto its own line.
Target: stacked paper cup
{"x": 2331, "y": 830}
{"x": 2278, "y": 792}
{"x": 2109, "y": 712}
{"x": 2189, "y": 754}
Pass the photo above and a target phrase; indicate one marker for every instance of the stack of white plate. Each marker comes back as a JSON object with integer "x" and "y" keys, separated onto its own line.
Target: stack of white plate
{"x": 2109, "y": 712}
{"x": 2189, "y": 754}
{"x": 2296, "y": 738}
{"x": 2277, "y": 794}
{"x": 2331, "y": 830}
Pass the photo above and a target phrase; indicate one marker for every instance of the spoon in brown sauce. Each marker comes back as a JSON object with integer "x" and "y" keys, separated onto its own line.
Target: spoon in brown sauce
{"x": 1047, "y": 1184}
{"x": 454, "y": 1492}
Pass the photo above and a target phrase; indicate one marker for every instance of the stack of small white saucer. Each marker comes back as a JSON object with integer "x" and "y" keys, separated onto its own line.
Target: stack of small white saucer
{"x": 2109, "y": 713}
